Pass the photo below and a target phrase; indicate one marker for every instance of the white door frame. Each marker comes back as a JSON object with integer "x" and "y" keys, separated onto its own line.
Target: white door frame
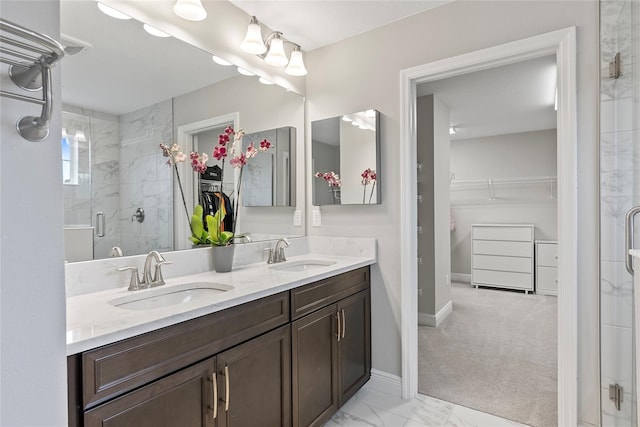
{"x": 562, "y": 43}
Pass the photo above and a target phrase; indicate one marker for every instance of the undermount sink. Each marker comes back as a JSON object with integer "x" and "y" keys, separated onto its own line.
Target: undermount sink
{"x": 165, "y": 297}
{"x": 302, "y": 265}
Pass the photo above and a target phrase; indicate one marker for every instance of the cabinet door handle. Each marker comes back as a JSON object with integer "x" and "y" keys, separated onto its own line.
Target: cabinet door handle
{"x": 215, "y": 395}
{"x": 344, "y": 323}
{"x": 226, "y": 388}
{"x": 338, "y": 321}
{"x": 101, "y": 224}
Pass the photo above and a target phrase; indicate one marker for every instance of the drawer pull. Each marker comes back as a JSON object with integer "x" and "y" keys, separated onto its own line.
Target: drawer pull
{"x": 338, "y": 321}
{"x": 215, "y": 395}
{"x": 226, "y": 387}
{"x": 344, "y": 325}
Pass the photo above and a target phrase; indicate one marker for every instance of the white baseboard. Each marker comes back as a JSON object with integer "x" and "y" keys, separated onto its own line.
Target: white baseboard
{"x": 461, "y": 277}
{"x": 435, "y": 321}
{"x": 384, "y": 382}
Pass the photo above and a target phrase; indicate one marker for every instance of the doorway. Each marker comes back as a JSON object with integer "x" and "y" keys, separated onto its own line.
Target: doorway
{"x": 560, "y": 43}
{"x": 486, "y": 143}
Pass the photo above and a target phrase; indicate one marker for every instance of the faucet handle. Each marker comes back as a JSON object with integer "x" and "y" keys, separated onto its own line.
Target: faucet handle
{"x": 134, "y": 282}
{"x": 270, "y": 251}
{"x": 157, "y": 277}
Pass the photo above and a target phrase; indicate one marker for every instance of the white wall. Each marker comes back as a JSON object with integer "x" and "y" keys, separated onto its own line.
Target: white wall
{"x": 433, "y": 213}
{"x": 521, "y": 155}
{"x": 33, "y": 383}
{"x": 363, "y": 72}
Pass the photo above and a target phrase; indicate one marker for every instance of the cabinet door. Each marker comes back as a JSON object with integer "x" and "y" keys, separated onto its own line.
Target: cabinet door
{"x": 182, "y": 399}
{"x": 315, "y": 358}
{"x": 354, "y": 345}
{"x": 254, "y": 382}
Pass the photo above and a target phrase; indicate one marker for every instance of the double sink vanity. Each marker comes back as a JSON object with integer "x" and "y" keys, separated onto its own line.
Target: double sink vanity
{"x": 283, "y": 344}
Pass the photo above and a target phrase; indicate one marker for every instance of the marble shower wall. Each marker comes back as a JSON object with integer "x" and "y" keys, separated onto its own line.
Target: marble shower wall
{"x": 619, "y": 191}
{"x": 146, "y": 179}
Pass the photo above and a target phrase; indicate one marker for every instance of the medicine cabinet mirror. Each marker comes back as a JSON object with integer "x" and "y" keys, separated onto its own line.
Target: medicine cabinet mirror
{"x": 345, "y": 152}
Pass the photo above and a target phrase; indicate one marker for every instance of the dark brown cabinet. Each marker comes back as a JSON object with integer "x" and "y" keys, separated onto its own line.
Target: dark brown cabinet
{"x": 331, "y": 352}
{"x": 254, "y": 382}
{"x": 246, "y": 366}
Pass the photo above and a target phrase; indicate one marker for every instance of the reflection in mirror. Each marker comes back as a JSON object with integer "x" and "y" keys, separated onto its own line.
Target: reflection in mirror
{"x": 345, "y": 153}
{"x": 124, "y": 97}
{"x": 267, "y": 178}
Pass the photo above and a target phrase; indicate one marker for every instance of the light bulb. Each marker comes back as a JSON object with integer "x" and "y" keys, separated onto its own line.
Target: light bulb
{"x": 108, "y": 10}
{"x": 296, "y": 64}
{"x": 154, "y": 31}
{"x": 276, "y": 55}
{"x": 191, "y": 10}
{"x": 252, "y": 42}
{"x": 221, "y": 61}
{"x": 245, "y": 72}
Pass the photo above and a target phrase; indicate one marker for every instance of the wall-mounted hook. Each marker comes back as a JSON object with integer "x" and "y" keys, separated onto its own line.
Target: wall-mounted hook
{"x": 139, "y": 215}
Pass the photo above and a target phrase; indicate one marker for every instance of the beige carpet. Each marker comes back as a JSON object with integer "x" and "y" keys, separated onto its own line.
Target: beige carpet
{"x": 496, "y": 352}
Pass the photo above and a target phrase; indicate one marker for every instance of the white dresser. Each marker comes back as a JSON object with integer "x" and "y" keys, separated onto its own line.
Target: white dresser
{"x": 502, "y": 256}
{"x": 546, "y": 267}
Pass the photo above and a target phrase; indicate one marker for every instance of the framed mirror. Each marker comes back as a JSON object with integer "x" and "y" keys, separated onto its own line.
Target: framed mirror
{"x": 268, "y": 178}
{"x": 345, "y": 159}
{"x": 125, "y": 92}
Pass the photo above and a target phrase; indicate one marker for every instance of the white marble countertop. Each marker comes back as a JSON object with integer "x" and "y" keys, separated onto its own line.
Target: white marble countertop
{"x": 92, "y": 322}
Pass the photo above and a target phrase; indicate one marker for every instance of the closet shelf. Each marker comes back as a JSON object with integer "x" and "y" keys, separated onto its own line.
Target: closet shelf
{"x": 491, "y": 183}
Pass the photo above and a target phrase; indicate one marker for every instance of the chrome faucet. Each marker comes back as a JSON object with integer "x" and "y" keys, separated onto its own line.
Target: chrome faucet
{"x": 277, "y": 254}
{"x": 149, "y": 281}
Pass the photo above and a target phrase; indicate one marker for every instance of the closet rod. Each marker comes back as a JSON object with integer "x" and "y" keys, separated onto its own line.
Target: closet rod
{"x": 32, "y": 75}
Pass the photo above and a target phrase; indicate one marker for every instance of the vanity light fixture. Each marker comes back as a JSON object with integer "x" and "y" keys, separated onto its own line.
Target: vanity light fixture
{"x": 265, "y": 81}
{"x": 191, "y": 10}
{"x": 154, "y": 31}
{"x": 79, "y": 136}
{"x": 221, "y": 61}
{"x": 108, "y": 10}
{"x": 346, "y": 119}
{"x": 452, "y": 130}
{"x": 274, "y": 48}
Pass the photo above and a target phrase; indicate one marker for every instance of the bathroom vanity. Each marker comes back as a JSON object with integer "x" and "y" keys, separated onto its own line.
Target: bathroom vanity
{"x": 289, "y": 354}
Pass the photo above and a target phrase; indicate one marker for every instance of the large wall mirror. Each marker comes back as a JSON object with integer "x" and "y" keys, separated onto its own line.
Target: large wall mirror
{"x": 345, "y": 158}
{"x": 125, "y": 92}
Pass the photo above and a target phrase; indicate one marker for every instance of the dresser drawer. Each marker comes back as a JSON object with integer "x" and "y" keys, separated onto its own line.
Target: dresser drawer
{"x": 547, "y": 280}
{"x": 117, "y": 368}
{"x": 502, "y": 279}
{"x": 503, "y": 263}
{"x": 547, "y": 254}
{"x": 320, "y": 294}
{"x": 514, "y": 233}
{"x": 489, "y": 247}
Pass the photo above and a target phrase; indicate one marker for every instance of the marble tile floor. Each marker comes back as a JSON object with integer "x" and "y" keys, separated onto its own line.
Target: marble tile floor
{"x": 369, "y": 408}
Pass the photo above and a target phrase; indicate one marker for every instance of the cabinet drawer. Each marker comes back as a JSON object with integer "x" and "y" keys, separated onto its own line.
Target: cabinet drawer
{"x": 502, "y": 279}
{"x": 503, "y": 263}
{"x": 116, "y": 368}
{"x": 547, "y": 254}
{"x": 547, "y": 280}
{"x": 515, "y": 233}
{"x": 489, "y": 247}
{"x": 319, "y": 294}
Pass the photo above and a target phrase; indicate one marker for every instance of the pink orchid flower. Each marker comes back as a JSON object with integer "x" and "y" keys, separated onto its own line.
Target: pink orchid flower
{"x": 265, "y": 144}
{"x": 219, "y": 152}
{"x": 239, "y": 161}
{"x": 251, "y": 151}
{"x": 223, "y": 138}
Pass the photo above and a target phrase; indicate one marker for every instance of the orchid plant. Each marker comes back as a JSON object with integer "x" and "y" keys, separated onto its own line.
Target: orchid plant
{"x": 368, "y": 177}
{"x": 229, "y": 144}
